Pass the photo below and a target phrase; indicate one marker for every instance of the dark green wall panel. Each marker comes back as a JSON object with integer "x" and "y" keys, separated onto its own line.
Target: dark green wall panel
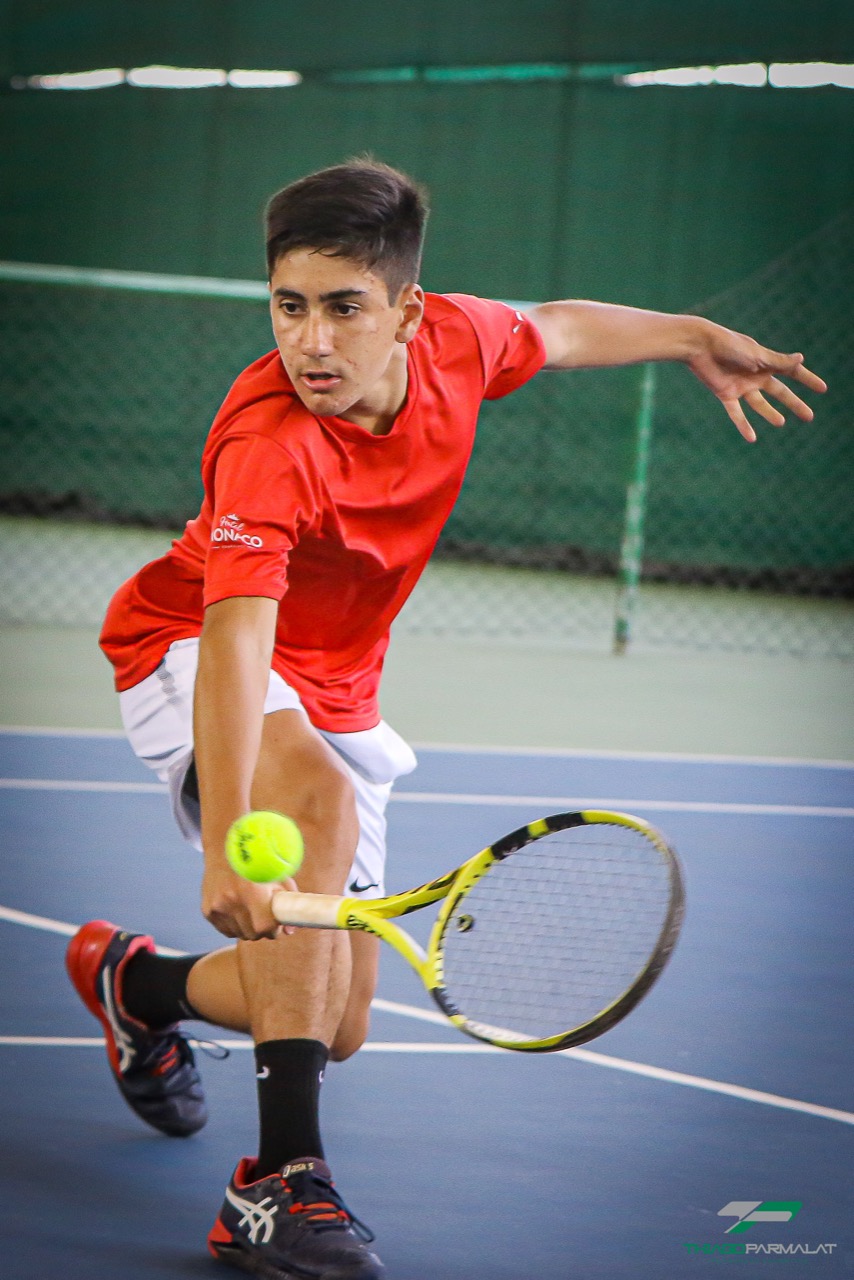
{"x": 654, "y": 197}
{"x": 658, "y": 198}
{"x": 67, "y": 35}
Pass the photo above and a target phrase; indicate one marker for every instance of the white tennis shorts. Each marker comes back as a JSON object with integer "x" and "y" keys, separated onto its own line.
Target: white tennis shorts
{"x": 158, "y": 719}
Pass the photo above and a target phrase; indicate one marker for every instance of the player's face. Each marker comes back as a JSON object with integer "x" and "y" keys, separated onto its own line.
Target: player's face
{"x": 343, "y": 344}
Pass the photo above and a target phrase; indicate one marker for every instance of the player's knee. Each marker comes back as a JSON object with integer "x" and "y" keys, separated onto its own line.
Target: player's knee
{"x": 351, "y": 1035}
{"x": 325, "y": 812}
{"x": 353, "y": 1029}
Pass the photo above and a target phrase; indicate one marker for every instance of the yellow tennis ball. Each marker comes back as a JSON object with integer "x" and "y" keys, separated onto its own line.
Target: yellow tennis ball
{"x": 264, "y": 846}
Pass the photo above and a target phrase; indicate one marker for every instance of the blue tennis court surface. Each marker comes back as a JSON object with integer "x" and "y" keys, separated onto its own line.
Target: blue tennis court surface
{"x": 731, "y": 1082}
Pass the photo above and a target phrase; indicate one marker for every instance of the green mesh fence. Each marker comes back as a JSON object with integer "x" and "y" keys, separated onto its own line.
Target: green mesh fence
{"x": 110, "y": 381}
{"x": 779, "y": 515}
{"x": 107, "y": 394}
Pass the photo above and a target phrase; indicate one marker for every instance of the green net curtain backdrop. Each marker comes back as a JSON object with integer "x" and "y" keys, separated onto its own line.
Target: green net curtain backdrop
{"x": 652, "y": 197}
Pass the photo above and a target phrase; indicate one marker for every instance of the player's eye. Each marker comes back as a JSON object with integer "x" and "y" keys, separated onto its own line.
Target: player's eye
{"x": 289, "y": 307}
{"x": 345, "y": 308}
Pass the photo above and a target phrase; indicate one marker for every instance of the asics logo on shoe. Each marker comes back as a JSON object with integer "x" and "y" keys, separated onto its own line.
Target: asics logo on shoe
{"x": 305, "y": 1166}
{"x": 257, "y": 1217}
{"x": 124, "y": 1043}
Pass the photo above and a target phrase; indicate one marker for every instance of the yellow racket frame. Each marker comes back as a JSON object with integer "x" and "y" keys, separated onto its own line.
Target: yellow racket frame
{"x": 327, "y": 911}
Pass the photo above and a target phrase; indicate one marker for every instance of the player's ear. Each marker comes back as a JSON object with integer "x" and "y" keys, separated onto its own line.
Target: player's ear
{"x": 411, "y": 307}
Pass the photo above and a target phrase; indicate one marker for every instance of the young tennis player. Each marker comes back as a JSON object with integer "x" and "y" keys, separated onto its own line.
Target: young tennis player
{"x": 248, "y": 658}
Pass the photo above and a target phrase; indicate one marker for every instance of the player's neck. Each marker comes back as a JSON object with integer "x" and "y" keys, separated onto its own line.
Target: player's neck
{"x": 377, "y": 411}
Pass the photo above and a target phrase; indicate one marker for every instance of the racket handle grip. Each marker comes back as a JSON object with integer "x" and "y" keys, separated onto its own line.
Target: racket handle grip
{"x": 311, "y": 910}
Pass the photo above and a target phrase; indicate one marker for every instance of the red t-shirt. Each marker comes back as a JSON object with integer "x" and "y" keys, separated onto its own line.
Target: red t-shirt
{"x": 318, "y": 513}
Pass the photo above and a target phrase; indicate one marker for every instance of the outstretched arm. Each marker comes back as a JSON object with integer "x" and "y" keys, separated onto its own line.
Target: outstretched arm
{"x": 235, "y": 649}
{"x": 733, "y": 366}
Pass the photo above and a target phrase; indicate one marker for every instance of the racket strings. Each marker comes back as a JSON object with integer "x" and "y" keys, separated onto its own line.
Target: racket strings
{"x": 557, "y": 932}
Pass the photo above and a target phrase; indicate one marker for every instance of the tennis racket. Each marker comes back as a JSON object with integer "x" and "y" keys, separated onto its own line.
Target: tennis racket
{"x": 544, "y": 939}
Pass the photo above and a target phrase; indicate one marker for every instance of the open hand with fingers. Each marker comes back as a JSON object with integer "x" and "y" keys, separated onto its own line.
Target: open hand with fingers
{"x": 735, "y": 368}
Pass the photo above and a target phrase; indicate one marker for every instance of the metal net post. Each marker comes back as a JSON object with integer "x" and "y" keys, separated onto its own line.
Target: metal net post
{"x": 631, "y": 552}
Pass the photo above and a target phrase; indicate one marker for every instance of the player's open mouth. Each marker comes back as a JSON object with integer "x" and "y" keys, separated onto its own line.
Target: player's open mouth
{"x": 320, "y": 380}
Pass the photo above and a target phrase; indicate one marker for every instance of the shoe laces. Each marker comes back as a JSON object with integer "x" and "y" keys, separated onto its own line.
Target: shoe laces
{"x": 212, "y": 1049}
{"x": 174, "y": 1051}
{"x": 322, "y": 1214}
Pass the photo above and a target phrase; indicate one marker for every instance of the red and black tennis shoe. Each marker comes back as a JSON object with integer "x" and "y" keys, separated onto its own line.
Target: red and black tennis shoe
{"x": 154, "y": 1067}
{"x": 292, "y": 1225}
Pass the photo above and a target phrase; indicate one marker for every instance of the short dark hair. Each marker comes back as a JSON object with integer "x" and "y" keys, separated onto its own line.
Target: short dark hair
{"x": 363, "y": 210}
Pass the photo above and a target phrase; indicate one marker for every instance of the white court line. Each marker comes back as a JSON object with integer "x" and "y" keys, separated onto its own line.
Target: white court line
{"x": 81, "y": 784}
{"x": 433, "y": 1046}
{"x": 621, "y": 802}
{"x": 455, "y": 797}
{"x": 54, "y": 1042}
{"x": 371, "y": 1046}
{"x": 603, "y": 753}
{"x": 39, "y": 731}
{"x": 428, "y": 1015}
{"x": 571, "y": 753}
{"x": 58, "y": 926}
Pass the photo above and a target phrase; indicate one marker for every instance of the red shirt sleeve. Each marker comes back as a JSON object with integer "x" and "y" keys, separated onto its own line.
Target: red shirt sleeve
{"x": 510, "y": 344}
{"x": 261, "y": 501}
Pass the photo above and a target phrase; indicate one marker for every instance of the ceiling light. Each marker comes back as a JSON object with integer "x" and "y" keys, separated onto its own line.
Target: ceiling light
{"x": 157, "y": 77}
{"x": 811, "y": 75}
{"x": 678, "y": 76}
{"x": 103, "y": 79}
{"x": 750, "y": 75}
{"x": 264, "y": 79}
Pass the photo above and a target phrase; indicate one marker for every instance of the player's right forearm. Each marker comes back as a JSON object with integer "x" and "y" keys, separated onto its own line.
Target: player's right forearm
{"x": 231, "y": 683}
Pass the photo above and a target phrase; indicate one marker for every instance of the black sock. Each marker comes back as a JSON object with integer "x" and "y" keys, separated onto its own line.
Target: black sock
{"x": 154, "y": 988}
{"x": 289, "y": 1075}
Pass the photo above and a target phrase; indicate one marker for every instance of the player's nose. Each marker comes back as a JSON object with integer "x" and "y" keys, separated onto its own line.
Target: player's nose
{"x": 316, "y": 337}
